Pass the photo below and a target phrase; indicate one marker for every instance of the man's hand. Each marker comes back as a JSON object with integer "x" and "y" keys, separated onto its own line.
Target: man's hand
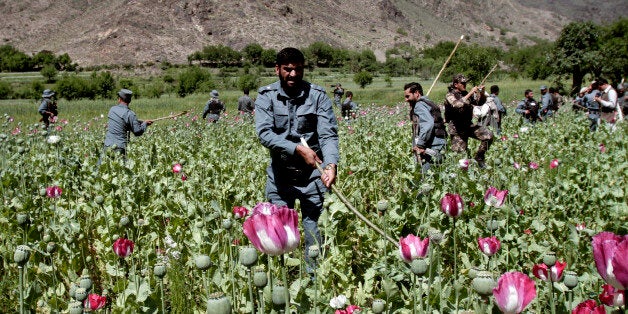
{"x": 418, "y": 150}
{"x": 149, "y": 122}
{"x": 309, "y": 156}
{"x": 329, "y": 175}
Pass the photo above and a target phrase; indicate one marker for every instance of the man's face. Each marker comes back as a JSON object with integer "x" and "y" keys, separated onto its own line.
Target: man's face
{"x": 461, "y": 86}
{"x": 412, "y": 98}
{"x": 290, "y": 74}
{"x": 530, "y": 95}
{"x": 543, "y": 91}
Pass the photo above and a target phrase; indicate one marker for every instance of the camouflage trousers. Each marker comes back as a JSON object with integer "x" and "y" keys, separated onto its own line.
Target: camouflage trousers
{"x": 460, "y": 137}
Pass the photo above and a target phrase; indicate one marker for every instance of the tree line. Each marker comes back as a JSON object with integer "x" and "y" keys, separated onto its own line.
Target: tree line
{"x": 583, "y": 48}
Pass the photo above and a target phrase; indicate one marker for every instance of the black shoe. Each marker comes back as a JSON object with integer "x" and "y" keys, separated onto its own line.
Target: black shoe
{"x": 481, "y": 164}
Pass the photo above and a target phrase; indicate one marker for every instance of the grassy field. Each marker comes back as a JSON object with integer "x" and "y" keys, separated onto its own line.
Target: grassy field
{"x": 378, "y": 93}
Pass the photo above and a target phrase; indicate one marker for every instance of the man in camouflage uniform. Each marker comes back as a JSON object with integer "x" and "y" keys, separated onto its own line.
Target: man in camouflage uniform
{"x": 459, "y": 114}
{"x": 338, "y": 93}
{"x": 287, "y": 112}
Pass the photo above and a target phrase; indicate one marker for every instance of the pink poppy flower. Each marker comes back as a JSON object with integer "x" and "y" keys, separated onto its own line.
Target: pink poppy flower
{"x": 412, "y": 247}
{"x": 494, "y": 197}
{"x": 553, "y": 164}
{"x": 16, "y": 131}
{"x": 452, "y": 205}
{"x": 533, "y": 165}
{"x": 515, "y": 135}
{"x": 352, "y": 308}
{"x": 463, "y": 163}
{"x": 610, "y": 253}
{"x": 514, "y": 292}
{"x": 489, "y": 246}
{"x": 611, "y": 296}
{"x": 589, "y": 307}
{"x": 184, "y": 177}
{"x": 527, "y": 231}
{"x": 602, "y": 148}
{"x": 504, "y": 138}
{"x": 123, "y": 247}
{"x": 176, "y": 168}
{"x": 516, "y": 165}
{"x": 544, "y": 272}
{"x": 95, "y": 302}
{"x": 273, "y": 230}
{"x": 581, "y": 226}
{"x": 53, "y": 191}
{"x": 240, "y": 211}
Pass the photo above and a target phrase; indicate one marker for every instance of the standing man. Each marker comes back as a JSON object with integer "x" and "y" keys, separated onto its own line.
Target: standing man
{"x": 501, "y": 110}
{"x": 608, "y": 103}
{"x": 121, "y": 121}
{"x": 287, "y": 111}
{"x": 528, "y": 107}
{"x": 213, "y": 107}
{"x": 428, "y": 127}
{"x": 338, "y": 93}
{"x": 349, "y": 107}
{"x": 245, "y": 103}
{"x": 592, "y": 106}
{"x": 547, "y": 105}
{"x": 459, "y": 113}
{"x": 48, "y": 107}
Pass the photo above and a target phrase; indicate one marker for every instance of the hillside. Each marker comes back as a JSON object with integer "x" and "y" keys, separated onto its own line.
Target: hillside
{"x": 141, "y": 31}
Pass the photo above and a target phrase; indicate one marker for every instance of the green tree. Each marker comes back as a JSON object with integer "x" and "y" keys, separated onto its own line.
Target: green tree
{"x": 253, "y": 53}
{"x": 49, "y": 72}
{"x": 269, "y": 57}
{"x": 5, "y": 90}
{"x": 249, "y": 81}
{"x": 71, "y": 86}
{"x": 319, "y": 54}
{"x": 363, "y": 78}
{"x": 576, "y": 52}
{"x": 614, "y": 50}
{"x": 473, "y": 61}
{"x": 13, "y": 60}
{"x": 103, "y": 84}
{"x": 192, "y": 79}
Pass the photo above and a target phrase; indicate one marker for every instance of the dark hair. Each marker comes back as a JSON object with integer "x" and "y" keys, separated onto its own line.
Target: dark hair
{"x": 601, "y": 81}
{"x": 494, "y": 89}
{"x": 245, "y": 91}
{"x": 527, "y": 92}
{"x": 414, "y": 87}
{"x": 349, "y": 94}
{"x": 289, "y": 55}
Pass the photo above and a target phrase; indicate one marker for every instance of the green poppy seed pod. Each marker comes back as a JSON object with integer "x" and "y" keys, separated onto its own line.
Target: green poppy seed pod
{"x": 313, "y": 251}
{"x": 426, "y": 188}
{"x": 21, "y": 255}
{"x": 85, "y": 282}
{"x": 378, "y": 306}
{"x": 42, "y": 192}
{"x": 21, "y": 150}
{"x": 248, "y": 256}
{"x": 46, "y": 238}
{"x": 570, "y": 280}
{"x": 159, "y": 270}
{"x": 80, "y": 294}
{"x": 88, "y": 259}
{"x": 483, "y": 283}
{"x": 51, "y": 247}
{"x": 125, "y": 221}
{"x": 382, "y": 205}
{"x": 260, "y": 279}
{"x": 199, "y": 224}
{"x": 549, "y": 259}
{"x": 69, "y": 239}
{"x": 40, "y": 228}
{"x": 436, "y": 236}
{"x": 279, "y": 294}
{"x": 492, "y": 225}
{"x": 497, "y": 161}
{"x": 418, "y": 266}
{"x": 218, "y": 303}
{"x": 473, "y": 272}
{"x": 72, "y": 290}
{"x": 202, "y": 262}
{"x": 99, "y": 199}
{"x": 227, "y": 223}
{"x": 81, "y": 236}
{"x": 75, "y": 308}
{"x": 22, "y": 219}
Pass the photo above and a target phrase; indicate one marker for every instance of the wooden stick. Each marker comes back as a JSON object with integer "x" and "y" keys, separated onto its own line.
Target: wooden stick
{"x": 170, "y": 116}
{"x": 489, "y": 73}
{"x": 350, "y": 206}
{"x": 444, "y": 65}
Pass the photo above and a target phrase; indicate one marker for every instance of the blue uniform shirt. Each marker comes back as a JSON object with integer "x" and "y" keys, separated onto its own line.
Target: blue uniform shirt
{"x": 122, "y": 120}
{"x": 281, "y": 121}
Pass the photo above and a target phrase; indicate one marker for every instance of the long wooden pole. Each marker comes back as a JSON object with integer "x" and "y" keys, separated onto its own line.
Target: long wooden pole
{"x": 444, "y": 65}
{"x": 489, "y": 74}
{"x": 350, "y": 206}
{"x": 170, "y": 116}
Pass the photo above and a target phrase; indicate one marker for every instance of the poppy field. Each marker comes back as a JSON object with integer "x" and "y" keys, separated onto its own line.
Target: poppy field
{"x": 176, "y": 227}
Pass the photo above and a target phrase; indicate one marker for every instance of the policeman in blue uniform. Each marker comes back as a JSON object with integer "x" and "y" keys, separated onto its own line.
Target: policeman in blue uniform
{"x": 285, "y": 112}
{"x": 121, "y": 121}
{"x": 547, "y": 105}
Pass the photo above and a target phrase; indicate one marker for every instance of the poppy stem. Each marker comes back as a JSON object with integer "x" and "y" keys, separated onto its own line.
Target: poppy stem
{"x": 285, "y": 282}
{"x": 455, "y": 264}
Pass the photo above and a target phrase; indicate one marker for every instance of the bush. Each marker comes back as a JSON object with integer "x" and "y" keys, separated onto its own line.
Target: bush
{"x": 73, "y": 87}
{"x": 249, "y": 81}
{"x": 5, "y": 90}
{"x": 363, "y": 78}
{"x": 103, "y": 84}
{"x": 191, "y": 80}
{"x": 49, "y": 72}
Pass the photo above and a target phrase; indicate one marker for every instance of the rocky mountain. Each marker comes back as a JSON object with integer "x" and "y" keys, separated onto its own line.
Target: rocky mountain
{"x": 97, "y": 32}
